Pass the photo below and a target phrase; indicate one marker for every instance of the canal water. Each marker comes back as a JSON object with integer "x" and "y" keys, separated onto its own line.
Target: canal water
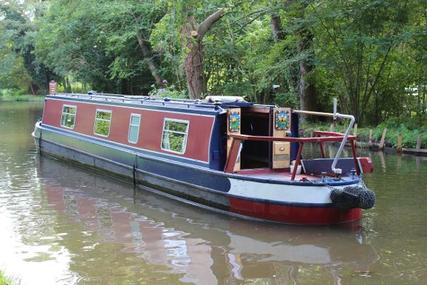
{"x": 61, "y": 224}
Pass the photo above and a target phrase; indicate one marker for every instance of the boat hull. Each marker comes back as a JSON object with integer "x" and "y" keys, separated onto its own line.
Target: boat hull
{"x": 225, "y": 193}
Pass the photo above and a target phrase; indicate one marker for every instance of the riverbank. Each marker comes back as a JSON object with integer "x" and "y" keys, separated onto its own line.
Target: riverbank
{"x": 3, "y": 279}
{"x": 21, "y": 98}
{"x": 397, "y": 137}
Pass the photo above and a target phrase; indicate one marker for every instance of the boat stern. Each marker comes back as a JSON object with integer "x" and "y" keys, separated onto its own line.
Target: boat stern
{"x": 301, "y": 202}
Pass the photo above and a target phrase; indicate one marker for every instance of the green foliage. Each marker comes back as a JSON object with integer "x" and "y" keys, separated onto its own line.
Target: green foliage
{"x": 372, "y": 55}
{"x": 20, "y": 68}
{"x": 102, "y": 123}
{"x": 170, "y": 92}
{"x": 4, "y": 280}
{"x": 365, "y": 47}
{"x": 409, "y": 131}
{"x": 174, "y": 136}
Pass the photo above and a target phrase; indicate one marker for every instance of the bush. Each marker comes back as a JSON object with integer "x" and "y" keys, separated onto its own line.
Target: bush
{"x": 3, "y": 279}
{"x": 409, "y": 131}
{"x": 169, "y": 92}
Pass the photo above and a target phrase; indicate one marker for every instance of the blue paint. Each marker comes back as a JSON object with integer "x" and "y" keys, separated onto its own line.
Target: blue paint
{"x": 218, "y": 144}
{"x": 186, "y": 174}
{"x": 323, "y": 165}
{"x": 295, "y": 134}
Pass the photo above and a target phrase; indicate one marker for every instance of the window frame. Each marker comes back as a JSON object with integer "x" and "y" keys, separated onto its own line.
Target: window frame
{"x": 95, "y": 120}
{"x": 62, "y": 115}
{"x": 138, "y": 127}
{"x": 184, "y": 148}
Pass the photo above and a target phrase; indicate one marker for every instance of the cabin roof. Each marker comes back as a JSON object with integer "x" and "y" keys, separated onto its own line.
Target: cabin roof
{"x": 212, "y": 104}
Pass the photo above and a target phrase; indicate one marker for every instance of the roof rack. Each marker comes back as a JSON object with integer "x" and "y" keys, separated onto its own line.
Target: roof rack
{"x": 161, "y": 101}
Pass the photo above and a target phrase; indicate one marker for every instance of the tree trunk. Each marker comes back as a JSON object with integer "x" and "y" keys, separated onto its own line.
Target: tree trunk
{"x": 306, "y": 89}
{"x": 193, "y": 64}
{"x": 276, "y": 28}
{"x": 148, "y": 57}
{"x": 67, "y": 85}
{"x": 194, "y": 70}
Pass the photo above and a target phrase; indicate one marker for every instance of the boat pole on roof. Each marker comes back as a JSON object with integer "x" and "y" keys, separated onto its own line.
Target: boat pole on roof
{"x": 345, "y": 137}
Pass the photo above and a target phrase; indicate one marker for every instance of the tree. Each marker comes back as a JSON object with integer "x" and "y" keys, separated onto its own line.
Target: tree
{"x": 354, "y": 45}
{"x": 17, "y": 38}
{"x": 193, "y": 65}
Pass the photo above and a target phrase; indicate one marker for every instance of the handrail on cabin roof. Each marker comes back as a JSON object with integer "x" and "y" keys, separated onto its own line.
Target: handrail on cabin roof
{"x": 144, "y": 99}
{"x": 208, "y": 101}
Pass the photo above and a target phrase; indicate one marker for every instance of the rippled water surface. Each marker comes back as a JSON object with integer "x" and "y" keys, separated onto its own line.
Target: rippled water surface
{"x": 60, "y": 224}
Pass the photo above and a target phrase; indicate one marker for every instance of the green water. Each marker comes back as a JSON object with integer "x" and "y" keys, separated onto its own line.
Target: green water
{"x": 60, "y": 224}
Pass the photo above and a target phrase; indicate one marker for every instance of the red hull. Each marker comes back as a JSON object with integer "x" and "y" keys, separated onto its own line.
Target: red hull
{"x": 293, "y": 214}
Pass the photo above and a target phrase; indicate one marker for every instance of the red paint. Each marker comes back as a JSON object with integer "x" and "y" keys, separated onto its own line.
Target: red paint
{"x": 258, "y": 171}
{"x": 292, "y": 214}
{"x": 325, "y": 133}
{"x": 367, "y": 165}
{"x": 150, "y": 131}
{"x": 290, "y": 139}
{"x": 55, "y": 197}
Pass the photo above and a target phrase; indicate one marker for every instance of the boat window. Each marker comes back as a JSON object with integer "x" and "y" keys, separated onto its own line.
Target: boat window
{"x": 134, "y": 123}
{"x": 102, "y": 123}
{"x": 174, "y": 137}
{"x": 68, "y": 118}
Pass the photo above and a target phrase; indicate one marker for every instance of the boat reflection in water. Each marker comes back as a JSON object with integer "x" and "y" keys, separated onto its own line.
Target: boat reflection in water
{"x": 195, "y": 245}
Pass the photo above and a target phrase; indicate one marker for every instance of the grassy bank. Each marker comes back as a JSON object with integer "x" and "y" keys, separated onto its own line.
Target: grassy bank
{"x": 409, "y": 134}
{"x": 21, "y": 98}
{"x": 3, "y": 279}
{"x": 17, "y": 95}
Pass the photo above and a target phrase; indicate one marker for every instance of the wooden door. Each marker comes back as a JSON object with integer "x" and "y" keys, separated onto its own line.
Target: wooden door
{"x": 281, "y": 151}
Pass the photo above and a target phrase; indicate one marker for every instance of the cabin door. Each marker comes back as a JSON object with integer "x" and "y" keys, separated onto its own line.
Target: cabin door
{"x": 233, "y": 127}
{"x": 281, "y": 151}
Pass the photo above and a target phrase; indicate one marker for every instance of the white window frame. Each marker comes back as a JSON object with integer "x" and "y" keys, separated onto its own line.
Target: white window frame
{"x": 109, "y": 127}
{"x": 131, "y": 125}
{"x": 62, "y": 114}
{"x": 184, "y": 148}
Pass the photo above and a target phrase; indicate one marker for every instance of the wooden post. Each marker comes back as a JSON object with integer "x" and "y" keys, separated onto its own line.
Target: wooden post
{"x": 354, "y": 152}
{"x": 399, "y": 143}
{"x": 355, "y": 130}
{"x": 322, "y": 151}
{"x": 332, "y": 128}
{"x": 233, "y": 155}
{"x": 297, "y": 161}
{"x": 382, "y": 141}
{"x": 419, "y": 140}
{"x": 370, "y": 138}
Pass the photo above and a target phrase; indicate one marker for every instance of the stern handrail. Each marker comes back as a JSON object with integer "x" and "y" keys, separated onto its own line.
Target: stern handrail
{"x": 319, "y": 137}
{"x": 345, "y": 137}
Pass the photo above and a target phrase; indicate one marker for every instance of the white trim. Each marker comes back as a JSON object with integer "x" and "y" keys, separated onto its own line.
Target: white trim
{"x": 109, "y": 126}
{"x": 184, "y": 148}
{"x": 62, "y": 114}
{"x": 138, "y": 127}
{"x": 281, "y": 193}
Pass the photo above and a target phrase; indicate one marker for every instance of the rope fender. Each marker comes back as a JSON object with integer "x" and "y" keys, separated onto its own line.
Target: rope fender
{"x": 353, "y": 197}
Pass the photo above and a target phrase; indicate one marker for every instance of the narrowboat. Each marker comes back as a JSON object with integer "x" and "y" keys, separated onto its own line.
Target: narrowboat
{"x": 221, "y": 153}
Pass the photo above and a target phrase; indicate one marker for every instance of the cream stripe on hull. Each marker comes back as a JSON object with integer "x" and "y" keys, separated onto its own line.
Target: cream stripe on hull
{"x": 281, "y": 193}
